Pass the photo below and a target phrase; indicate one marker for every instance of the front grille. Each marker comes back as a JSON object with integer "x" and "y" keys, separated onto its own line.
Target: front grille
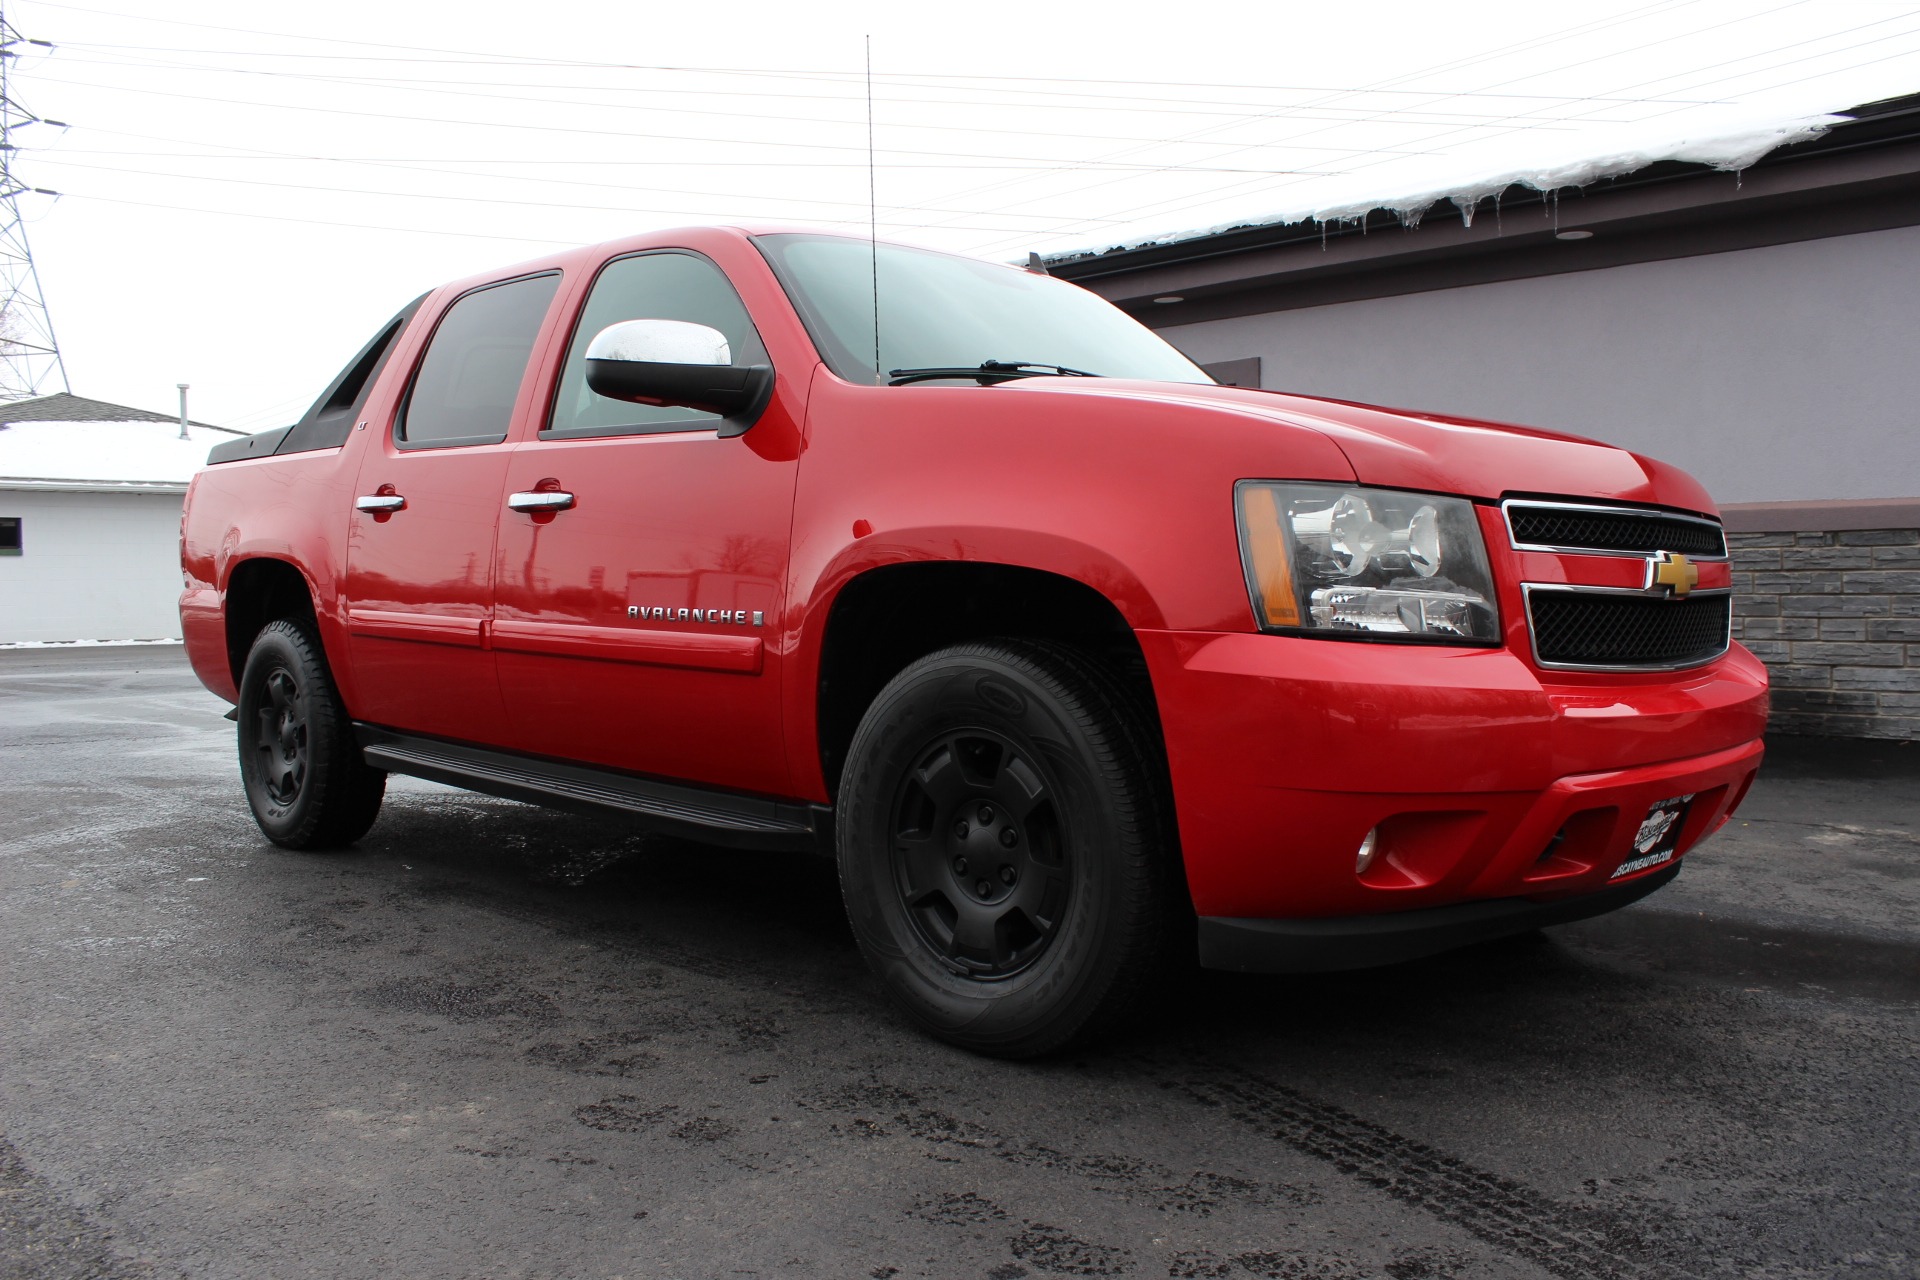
{"x": 1613, "y": 529}
{"x": 1595, "y": 629}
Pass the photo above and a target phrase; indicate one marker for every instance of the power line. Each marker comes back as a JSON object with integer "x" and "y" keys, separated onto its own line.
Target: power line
{"x": 957, "y": 82}
{"x": 254, "y": 154}
{"x": 480, "y": 57}
{"x": 596, "y": 163}
{"x": 470, "y": 235}
{"x": 1384, "y": 102}
{"x": 458, "y": 199}
{"x": 314, "y": 222}
{"x": 1580, "y": 31}
{"x": 491, "y": 91}
{"x": 1169, "y": 207}
{"x": 565, "y": 129}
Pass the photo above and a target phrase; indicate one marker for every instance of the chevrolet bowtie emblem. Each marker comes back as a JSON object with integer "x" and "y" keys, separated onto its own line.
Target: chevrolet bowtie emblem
{"x": 1673, "y": 571}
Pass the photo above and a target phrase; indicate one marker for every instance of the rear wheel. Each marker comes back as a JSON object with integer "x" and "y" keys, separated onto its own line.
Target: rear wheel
{"x": 1003, "y": 848}
{"x": 306, "y": 782}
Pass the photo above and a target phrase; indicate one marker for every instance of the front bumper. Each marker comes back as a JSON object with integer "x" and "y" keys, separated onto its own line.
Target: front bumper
{"x": 1359, "y": 942}
{"x": 1486, "y": 780}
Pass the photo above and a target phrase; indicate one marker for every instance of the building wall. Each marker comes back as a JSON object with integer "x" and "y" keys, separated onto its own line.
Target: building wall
{"x": 1836, "y": 618}
{"x": 1774, "y": 374}
{"x": 93, "y": 566}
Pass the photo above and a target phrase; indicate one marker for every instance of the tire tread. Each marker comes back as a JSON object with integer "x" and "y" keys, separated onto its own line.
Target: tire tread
{"x": 1127, "y": 756}
{"x": 346, "y": 792}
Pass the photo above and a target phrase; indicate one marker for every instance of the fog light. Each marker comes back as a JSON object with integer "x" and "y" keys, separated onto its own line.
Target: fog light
{"x": 1368, "y": 848}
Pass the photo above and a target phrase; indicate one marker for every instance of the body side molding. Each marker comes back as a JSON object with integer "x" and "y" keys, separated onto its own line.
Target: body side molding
{"x": 725, "y": 651}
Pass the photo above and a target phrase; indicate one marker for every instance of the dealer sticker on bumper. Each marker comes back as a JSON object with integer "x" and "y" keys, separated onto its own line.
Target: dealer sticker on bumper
{"x": 1658, "y": 837}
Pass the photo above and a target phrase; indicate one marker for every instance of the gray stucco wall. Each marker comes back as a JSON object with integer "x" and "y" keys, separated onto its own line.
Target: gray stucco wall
{"x": 1774, "y": 374}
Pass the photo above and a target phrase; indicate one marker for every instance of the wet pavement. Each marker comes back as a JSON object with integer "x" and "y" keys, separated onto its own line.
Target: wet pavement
{"x": 497, "y": 1041}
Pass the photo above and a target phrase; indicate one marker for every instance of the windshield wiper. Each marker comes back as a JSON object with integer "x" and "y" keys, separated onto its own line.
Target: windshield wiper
{"x": 988, "y": 372}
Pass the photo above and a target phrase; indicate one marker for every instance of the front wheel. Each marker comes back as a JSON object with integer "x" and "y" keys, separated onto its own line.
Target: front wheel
{"x": 1004, "y": 848}
{"x": 306, "y": 781}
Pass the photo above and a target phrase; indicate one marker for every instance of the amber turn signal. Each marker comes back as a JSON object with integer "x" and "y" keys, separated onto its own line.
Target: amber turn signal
{"x": 1266, "y": 543}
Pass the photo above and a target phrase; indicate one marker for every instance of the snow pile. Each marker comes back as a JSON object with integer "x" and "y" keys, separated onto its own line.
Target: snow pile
{"x": 1730, "y": 146}
{"x": 103, "y": 453}
{"x": 83, "y": 644}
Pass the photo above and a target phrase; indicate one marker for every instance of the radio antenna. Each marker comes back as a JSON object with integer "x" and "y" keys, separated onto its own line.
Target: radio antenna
{"x": 873, "y": 216}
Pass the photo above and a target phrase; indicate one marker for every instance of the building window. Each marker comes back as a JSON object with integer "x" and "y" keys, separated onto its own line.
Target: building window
{"x": 9, "y": 535}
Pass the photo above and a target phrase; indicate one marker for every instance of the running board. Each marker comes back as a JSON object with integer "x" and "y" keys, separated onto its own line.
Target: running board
{"x": 696, "y": 813}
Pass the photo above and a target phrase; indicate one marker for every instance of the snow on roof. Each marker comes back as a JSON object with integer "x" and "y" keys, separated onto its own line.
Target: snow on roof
{"x": 1730, "y": 145}
{"x": 93, "y": 454}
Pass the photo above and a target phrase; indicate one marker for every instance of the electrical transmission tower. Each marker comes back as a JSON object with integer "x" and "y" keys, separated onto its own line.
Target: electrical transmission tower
{"x": 30, "y": 363}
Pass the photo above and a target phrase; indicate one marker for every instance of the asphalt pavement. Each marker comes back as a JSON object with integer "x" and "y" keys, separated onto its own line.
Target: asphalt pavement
{"x": 494, "y": 1041}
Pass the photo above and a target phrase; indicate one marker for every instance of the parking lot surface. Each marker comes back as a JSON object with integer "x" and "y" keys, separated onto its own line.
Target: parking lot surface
{"x": 498, "y": 1041}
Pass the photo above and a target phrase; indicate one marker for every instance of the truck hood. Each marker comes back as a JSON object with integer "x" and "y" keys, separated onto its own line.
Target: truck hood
{"x": 1403, "y": 449}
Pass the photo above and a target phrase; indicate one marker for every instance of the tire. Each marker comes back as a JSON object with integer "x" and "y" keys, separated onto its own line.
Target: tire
{"x": 306, "y": 781}
{"x": 1005, "y": 849}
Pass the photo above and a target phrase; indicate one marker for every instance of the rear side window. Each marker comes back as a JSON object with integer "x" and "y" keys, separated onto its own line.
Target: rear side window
{"x": 649, "y": 286}
{"x": 328, "y": 423}
{"x": 467, "y": 382}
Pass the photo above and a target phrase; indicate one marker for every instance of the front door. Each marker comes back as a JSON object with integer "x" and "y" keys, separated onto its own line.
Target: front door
{"x": 635, "y": 608}
{"x": 419, "y": 588}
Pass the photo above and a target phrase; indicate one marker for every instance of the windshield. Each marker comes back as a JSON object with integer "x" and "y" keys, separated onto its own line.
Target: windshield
{"x": 939, "y": 310}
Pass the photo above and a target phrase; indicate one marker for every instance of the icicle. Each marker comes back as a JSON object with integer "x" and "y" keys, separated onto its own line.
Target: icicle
{"x": 1499, "y": 227}
{"x": 1323, "y": 235}
{"x": 1466, "y": 205}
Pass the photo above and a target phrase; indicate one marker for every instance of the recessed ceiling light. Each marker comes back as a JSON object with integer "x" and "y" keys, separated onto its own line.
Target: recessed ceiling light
{"x": 1169, "y": 297}
{"x": 1573, "y": 235}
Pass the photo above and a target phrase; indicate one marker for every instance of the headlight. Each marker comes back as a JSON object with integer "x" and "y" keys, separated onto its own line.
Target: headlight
{"x": 1343, "y": 560}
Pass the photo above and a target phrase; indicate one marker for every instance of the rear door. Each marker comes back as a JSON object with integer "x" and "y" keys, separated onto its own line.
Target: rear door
{"x": 419, "y": 587}
{"x": 633, "y": 625}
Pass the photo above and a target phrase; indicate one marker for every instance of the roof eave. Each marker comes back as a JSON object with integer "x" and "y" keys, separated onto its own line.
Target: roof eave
{"x": 38, "y": 484}
{"x": 1864, "y": 175}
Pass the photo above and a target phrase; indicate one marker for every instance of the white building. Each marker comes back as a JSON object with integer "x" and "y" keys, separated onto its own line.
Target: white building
{"x": 90, "y": 497}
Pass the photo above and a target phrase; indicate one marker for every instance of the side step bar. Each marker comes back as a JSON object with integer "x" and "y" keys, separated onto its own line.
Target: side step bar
{"x": 696, "y": 813}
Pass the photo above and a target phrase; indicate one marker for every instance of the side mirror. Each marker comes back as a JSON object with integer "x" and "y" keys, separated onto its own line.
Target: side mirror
{"x": 673, "y": 362}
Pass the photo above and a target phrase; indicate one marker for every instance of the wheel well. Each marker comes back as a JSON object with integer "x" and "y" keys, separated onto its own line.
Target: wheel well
{"x": 259, "y": 592}
{"x": 886, "y": 618}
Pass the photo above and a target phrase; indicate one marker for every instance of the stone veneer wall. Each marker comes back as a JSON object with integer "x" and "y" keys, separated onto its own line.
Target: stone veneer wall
{"x": 1836, "y": 618}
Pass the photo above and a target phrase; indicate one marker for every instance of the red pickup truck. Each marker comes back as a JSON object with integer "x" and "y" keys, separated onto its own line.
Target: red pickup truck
{"x": 1080, "y": 664}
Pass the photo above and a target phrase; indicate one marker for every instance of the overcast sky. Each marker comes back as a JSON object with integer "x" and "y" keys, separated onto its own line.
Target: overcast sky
{"x": 249, "y": 188}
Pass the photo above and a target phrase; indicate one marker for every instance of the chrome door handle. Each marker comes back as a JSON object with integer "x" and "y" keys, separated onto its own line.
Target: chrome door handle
{"x": 379, "y": 502}
{"x": 544, "y": 500}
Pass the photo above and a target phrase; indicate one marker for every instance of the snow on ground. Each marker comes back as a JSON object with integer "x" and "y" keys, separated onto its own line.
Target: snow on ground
{"x": 1465, "y": 179}
{"x": 132, "y": 453}
{"x": 83, "y": 644}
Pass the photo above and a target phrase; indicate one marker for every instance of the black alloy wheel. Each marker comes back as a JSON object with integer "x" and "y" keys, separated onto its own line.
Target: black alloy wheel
{"x": 980, "y": 864}
{"x": 1005, "y": 848}
{"x": 305, "y": 779}
{"x": 281, "y": 738}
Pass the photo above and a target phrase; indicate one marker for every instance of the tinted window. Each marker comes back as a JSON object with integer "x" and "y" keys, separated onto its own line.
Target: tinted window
{"x": 938, "y": 310}
{"x": 652, "y": 286}
{"x": 9, "y": 535}
{"x": 470, "y": 376}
